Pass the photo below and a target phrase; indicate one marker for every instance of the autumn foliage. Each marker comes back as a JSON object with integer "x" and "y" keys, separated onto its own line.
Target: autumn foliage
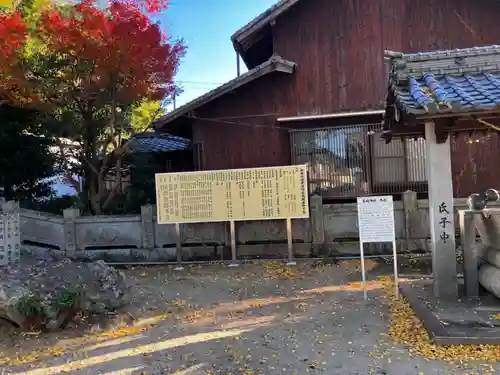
{"x": 84, "y": 66}
{"x": 122, "y": 45}
{"x": 119, "y": 46}
{"x": 13, "y": 35}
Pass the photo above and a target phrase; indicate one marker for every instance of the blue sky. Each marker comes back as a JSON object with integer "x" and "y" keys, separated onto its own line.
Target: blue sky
{"x": 206, "y": 26}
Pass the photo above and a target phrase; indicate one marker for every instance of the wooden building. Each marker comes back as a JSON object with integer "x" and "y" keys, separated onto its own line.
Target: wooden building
{"x": 315, "y": 93}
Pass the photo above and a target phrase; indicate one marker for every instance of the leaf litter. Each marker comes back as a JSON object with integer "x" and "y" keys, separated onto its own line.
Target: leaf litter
{"x": 277, "y": 270}
{"x": 405, "y": 328}
{"x": 249, "y": 355}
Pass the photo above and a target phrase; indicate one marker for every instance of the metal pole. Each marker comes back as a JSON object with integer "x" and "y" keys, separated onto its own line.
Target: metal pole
{"x": 291, "y": 262}
{"x": 396, "y": 273}
{"x": 238, "y": 69}
{"x": 363, "y": 273}
{"x": 232, "y": 230}
{"x": 179, "y": 266}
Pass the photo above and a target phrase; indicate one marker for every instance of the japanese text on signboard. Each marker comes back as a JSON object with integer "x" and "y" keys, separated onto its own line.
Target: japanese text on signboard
{"x": 376, "y": 219}
{"x": 239, "y": 194}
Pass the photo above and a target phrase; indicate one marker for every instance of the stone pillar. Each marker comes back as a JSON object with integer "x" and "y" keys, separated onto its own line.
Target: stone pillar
{"x": 317, "y": 224}
{"x": 410, "y": 205}
{"x": 69, "y": 216}
{"x": 10, "y": 234}
{"x": 147, "y": 226}
{"x": 441, "y": 215}
{"x": 469, "y": 249}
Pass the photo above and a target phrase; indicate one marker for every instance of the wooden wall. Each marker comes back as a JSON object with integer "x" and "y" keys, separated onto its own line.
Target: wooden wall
{"x": 338, "y": 47}
{"x": 239, "y": 130}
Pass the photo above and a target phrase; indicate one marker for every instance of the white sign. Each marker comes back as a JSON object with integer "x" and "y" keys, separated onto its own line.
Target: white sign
{"x": 376, "y": 224}
{"x": 376, "y": 219}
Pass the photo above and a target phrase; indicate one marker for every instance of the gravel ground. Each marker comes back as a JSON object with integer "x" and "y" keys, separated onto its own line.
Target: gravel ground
{"x": 215, "y": 320}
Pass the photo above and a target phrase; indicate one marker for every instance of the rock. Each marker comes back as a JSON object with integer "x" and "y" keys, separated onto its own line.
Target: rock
{"x": 102, "y": 288}
{"x": 10, "y": 295}
{"x": 491, "y": 255}
{"x": 489, "y": 277}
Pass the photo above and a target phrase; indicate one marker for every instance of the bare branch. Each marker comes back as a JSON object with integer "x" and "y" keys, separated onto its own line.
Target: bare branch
{"x": 68, "y": 178}
{"x": 89, "y": 163}
{"x": 467, "y": 26}
{"x": 73, "y": 182}
{"x": 488, "y": 124}
{"x": 117, "y": 186}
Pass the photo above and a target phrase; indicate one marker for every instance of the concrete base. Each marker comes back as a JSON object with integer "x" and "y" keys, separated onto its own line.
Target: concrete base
{"x": 168, "y": 254}
{"x": 450, "y": 322}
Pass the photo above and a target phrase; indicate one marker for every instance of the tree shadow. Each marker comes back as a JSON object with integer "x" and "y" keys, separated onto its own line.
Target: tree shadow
{"x": 201, "y": 343}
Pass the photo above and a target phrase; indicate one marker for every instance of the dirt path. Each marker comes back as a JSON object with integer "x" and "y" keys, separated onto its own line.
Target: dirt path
{"x": 215, "y": 320}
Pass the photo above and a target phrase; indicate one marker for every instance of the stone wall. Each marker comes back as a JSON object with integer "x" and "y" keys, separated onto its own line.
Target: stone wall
{"x": 331, "y": 230}
{"x": 10, "y": 250}
{"x": 42, "y": 229}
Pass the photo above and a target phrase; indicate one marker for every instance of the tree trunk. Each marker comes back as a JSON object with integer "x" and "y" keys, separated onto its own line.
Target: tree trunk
{"x": 87, "y": 178}
{"x": 96, "y": 196}
{"x": 116, "y": 188}
{"x": 90, "y": 168}
{"x": 95, "y": 200}
{"x": 7, "y": 192}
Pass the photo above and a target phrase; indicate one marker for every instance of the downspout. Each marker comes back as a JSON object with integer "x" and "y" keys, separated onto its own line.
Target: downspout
{"x": 238, "y": 68}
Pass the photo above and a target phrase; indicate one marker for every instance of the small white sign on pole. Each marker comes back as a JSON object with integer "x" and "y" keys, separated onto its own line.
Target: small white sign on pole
{"x": 376, "y": 224}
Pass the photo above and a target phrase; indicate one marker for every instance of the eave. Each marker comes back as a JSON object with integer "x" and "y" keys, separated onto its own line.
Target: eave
{"x": 274, "y": 64}
{"x": 262, "y": 20}
{"x": 248, "y": 35}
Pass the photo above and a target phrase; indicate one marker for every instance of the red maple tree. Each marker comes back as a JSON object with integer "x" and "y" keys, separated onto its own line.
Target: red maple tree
{"x": 13, "y": 34}
{"x": 13, "y": 31}
{"x": 95, "y": 64}
{"x": 120, "y": 47}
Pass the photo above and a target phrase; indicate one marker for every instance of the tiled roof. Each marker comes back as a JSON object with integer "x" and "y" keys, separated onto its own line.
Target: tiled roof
{"x": 157, "y": 142}
{"x": 454, "y": 81}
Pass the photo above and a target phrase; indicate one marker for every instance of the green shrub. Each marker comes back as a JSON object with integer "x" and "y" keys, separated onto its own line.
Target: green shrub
{"x": 68, "y": 298}
{"x": 29, "y": 306}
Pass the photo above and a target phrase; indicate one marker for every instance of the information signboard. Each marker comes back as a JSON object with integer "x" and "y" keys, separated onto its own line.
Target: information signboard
{"x": 232, "y": 195}
{"x": 376, "y": 219}
{"x": 376, "y": 224}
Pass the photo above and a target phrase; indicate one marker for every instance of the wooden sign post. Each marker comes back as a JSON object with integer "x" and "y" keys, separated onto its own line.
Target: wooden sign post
{"x": 178, "y": 248}
{"x": 289, "y": 240}
{"x": 232, "y": 232}
{"x": 271, "y": 193}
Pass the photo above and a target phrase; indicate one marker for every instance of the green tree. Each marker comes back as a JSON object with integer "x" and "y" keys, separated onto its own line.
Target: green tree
{"x": 144, "y": 113}
{"x": 27, "y": 158}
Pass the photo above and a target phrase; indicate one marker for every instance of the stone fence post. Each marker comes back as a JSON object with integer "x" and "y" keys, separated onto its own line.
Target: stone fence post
{"x": 147, "y": 226}
{"x": 410, "y": 205}
{"x": 10, "y": 234}
{"x": 69, "y": 217}
{"x": 317, "y": 224}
